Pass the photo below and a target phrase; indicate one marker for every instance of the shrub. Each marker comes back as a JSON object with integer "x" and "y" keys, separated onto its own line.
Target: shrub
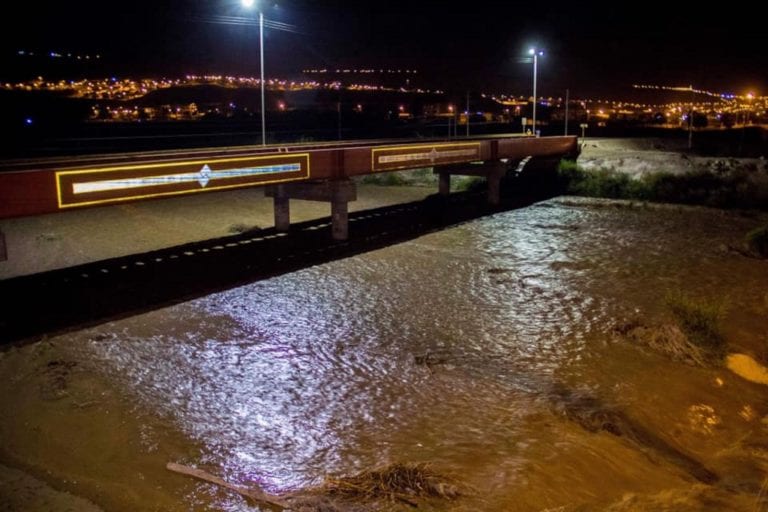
{"x": 757, "y": 241}
{"x": 599, "y": 182}
{"x": 699, "y": 320}
{"x": 469, "y": 184}
{"x": 729, "y": 188}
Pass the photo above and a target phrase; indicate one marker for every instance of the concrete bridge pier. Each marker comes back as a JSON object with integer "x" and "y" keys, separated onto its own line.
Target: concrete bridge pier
{"x": 337, "y": 192}
{"x": 491, "y": 171}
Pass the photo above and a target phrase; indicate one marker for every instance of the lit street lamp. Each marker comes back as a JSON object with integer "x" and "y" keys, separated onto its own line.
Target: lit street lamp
{"x": 536, "y": 53}
{"x": 248, "y": 4}
{"x": 750, "y": 97}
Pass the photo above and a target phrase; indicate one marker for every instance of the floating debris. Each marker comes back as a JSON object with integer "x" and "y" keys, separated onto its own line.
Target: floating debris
{"x": 666, "y": 339}
{"x": 254, "y": 493}
{"x": 430, "y": 359}
{"x": 400, "y": 482}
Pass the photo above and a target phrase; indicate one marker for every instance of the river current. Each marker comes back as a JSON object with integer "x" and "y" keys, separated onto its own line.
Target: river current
{"x": 474, "y": 349}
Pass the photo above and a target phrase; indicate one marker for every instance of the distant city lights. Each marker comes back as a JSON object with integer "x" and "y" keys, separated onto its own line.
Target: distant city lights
{"x": 57, "y": 55}
{"x": 347, "y": 71}
{"x": 114, "y": 96}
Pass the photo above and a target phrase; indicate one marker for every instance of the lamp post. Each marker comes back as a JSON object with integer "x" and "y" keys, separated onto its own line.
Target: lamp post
{"x": 536, "y": 53}
{"x": 248, "y": 4}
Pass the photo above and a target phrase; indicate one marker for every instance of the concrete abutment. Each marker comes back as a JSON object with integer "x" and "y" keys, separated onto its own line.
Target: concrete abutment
{"x": 337, "y": 192}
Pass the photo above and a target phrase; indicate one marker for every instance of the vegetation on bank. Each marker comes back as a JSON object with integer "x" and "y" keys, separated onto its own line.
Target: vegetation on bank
{"x": 691, "y": 333}
{"x": 423, "y": 177}
{"x": 757, "y": 241}
{"x": 700, "y": 320}
{"x": 727, "y": 188}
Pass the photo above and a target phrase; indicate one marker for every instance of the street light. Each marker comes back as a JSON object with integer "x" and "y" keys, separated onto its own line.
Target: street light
{"x": 249, "y": 4}
{"x": 536, "y": 53}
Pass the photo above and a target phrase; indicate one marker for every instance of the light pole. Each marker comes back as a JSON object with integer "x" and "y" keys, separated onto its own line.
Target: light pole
{"x": 536, "y": 53}
{"x": 248, "y": 4}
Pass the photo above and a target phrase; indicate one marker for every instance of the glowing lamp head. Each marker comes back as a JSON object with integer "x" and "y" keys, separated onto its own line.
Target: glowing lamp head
{"x": 248, "y": 3}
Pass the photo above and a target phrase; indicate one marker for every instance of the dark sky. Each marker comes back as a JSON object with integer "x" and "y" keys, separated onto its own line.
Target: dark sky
{"x": 591, "y": 48}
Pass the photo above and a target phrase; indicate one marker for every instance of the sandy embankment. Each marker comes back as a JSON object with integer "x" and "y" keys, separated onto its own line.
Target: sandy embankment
{"x": 646, "y": 155}
{"x": 47, "y": 242}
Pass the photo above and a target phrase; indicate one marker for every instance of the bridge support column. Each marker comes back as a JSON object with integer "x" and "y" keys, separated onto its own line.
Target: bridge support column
{"x": 339, "y": 220}
{"x": 444, "y": 183}
{"x": 282, "y": 206}
{"x": 337, "y": 192}
{"x": 492, "y": 172}
{"x": 3, "y": 247}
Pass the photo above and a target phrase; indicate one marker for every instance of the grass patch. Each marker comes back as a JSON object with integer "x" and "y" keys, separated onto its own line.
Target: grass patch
{"x": 468, "y": 183}
{"x": 385, "y": 179}
{"x": 757, "y": 241}
{"x": 416, "y": 177}
{"x": 239, "y": 228}
{"x": 699, "y": 320}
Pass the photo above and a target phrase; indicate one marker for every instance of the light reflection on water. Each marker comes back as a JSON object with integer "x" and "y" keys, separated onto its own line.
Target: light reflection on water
{"x": 447, "y": 349}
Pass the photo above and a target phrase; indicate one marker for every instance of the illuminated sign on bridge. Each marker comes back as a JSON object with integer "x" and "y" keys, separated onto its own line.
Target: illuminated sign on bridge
{"x": 130, "y": 182}
{"x": 390, "y": 158}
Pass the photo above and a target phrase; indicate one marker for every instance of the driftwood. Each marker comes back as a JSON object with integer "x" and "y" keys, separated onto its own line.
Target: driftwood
{"x": 255, "y": 494}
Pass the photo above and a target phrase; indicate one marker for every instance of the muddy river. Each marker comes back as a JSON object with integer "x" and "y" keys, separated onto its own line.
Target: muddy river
{"x": 488, "y": 350}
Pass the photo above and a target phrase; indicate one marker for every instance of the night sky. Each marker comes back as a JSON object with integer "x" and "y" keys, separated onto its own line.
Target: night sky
{"x": 591, "y": 48}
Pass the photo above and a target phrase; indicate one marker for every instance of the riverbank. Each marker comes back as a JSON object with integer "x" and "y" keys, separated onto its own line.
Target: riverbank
{"x": 665, "y": 171}
{"x": 638, "y": 157}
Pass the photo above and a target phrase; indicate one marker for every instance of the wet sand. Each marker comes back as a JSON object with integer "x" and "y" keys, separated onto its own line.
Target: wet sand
{"x": 20, "y": 491}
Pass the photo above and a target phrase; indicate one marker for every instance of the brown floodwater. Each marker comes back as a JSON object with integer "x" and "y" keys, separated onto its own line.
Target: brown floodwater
{"x": 487, "y": 350}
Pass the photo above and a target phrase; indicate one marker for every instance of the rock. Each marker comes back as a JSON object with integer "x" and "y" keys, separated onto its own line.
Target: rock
{"x": 747, "y": 368}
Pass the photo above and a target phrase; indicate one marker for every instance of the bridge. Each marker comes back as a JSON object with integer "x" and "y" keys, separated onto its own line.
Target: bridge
{"x": 318, "y": 172}
{"x": 92, "y": 292}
